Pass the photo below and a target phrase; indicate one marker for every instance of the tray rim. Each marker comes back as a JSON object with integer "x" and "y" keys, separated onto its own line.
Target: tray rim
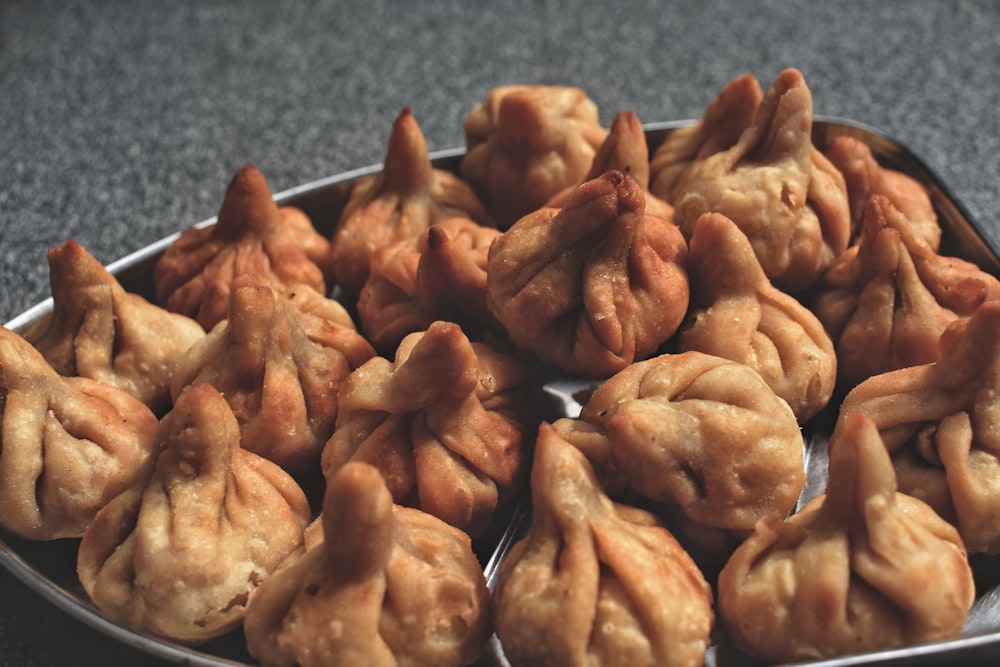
{"x": 84, "y": 611}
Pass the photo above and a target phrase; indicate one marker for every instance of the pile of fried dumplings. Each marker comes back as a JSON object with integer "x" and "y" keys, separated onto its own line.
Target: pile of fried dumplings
{"x": 312, "y": 436}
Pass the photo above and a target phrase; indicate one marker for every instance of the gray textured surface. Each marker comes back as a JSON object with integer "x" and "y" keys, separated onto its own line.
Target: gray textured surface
{"x": 121, "y": 122}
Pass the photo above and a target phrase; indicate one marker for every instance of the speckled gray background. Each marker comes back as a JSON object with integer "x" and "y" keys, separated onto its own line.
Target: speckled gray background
{"x": 121, "y": 121}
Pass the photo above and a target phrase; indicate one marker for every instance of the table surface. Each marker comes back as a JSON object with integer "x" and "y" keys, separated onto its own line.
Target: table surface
{"x": 122, "y": 122}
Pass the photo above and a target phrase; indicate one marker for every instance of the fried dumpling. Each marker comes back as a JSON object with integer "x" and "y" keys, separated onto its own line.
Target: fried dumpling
{"x": 865, "y": 177}
{"x": 736, "y": 313}
{"x": 385, "y": 586}
{"x": 251, "y": 235}
{"x": 181, "y": 555}
{"x": 593, "y": 286}
{"x": 940, "y": 421}
{"x": 683, "y": 151}
{"x": 886, "y": 301}
{"x": 444, "y": 423}
{"x": 702, "y": 436}
{"x": 100, "y": 331}
{"x": 861, "y": 568}
{"x": 778, "y": 188}
{"x": 593, "y": 583}
{"x": 624, "y": 149}
{"x": 278, "y": 370}
{"x": 438, "y": 275}
{"x": 68, "y": 445}
{"x": 401, "y": 201}
{"x": 451, "y": 276}
{"x": 526, "y": 143}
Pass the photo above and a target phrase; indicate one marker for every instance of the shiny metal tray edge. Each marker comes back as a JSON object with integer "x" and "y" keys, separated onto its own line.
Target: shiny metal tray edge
{"x": 322, "y": 200}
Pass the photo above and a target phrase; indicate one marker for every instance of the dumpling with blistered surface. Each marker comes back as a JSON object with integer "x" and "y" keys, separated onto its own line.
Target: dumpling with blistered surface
{"x": 100, "y": 331}
{"x": 778, "y": 188}
{"x": 941, "y": 423}
{"x": 861, "y": 568}
{"x": 444, "y": 422}
{"x": 398, "y": 203}
{"x": 887, "y": 300}
{"x": 383, "y": 586}
{"x": 736, "y": 313}
{"x": 68, "y": 445}
{"x": 683, "y": 151}
{"x": 278, "y": 359}
{"x": 526, "y": 143}
{"x": 702, "y": 437}
{"x": 182, "y": 554}
{"x": 592, "y": 286}
{"x": 252, "y": 234}
{"x": 595, "y": 583}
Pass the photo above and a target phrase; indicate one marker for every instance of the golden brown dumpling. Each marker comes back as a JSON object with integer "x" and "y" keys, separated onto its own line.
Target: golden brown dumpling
{"x": 788, "y": 199}
{"x": 251, "y": 235}
{"x": 100, "y": 331}
{"x": 864, "y": 177}
{"x": 941, "y": 423}
{"x": 401, "y": 201}
{"x": 181, "y": 555}
{"x": 451, "y": 276}
{"x": 385, "y": 586}
{"x": 859, "y": 569}
{"x": 625, "y": 150}
{"x": 68, "y": 445}
{"x": 278, "y": 369}
{"x": 701, "y": 435}
{"x": 736, "y": 313}
{"x": 444, "y": 423}
{"x": 886, "y": 301}
{"x": 593, "y": 286}
{"x": 526, "y": 143}
{"x": 683, "y": 151}
{"x": 593, "y": 583}
{"x": 438, "y": 275}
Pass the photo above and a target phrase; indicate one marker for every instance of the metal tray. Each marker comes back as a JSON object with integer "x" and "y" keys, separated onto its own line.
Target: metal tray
{"x": 48, "y": 568}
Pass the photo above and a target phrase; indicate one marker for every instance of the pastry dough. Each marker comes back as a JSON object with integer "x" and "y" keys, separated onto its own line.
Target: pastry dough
{"x": 182, "y": 554}
{"x": 778, "y": 188}
{"x": 593, "y": 583}
{"x": 593, "y": 286}
{"x": 526, "y": 143}
{"x": 68, "y": 445}
{"x": 100, "y": 331}
{"x": 861, "y": 568}
{"x": 385, "y": 586}
{"x": 736, "y": 313}
{"x": 400, "y": 202}
{"x": 252, "y": 234}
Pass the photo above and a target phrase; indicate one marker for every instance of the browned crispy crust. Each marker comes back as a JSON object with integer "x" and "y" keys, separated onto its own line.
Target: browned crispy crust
{"x": 100, "y": 331}
{"x": 939, "y": 421}
{"x": 864, "y": 177}
{"x": 68, "y": 445}
{"x": 593, "y": 286}
{"x": 862, "y": 568}
{"x": 886, "y": 301}
{"x": 684, "y": 150}
{"x": 251, "y": 235}
{"x": 400, "y": 202}
{"x": 704, "y": 437}
{"x": 736, "y": 313}
{"x": 778, "y": 188}
{"x": 278, "y": 367}
{"x": 181, "y": 554}
{"x": 524, "y": 144}
{"x": 383, "y": 586}
{"x": 593, "y": 582}
{"x": 444, "y": 423}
